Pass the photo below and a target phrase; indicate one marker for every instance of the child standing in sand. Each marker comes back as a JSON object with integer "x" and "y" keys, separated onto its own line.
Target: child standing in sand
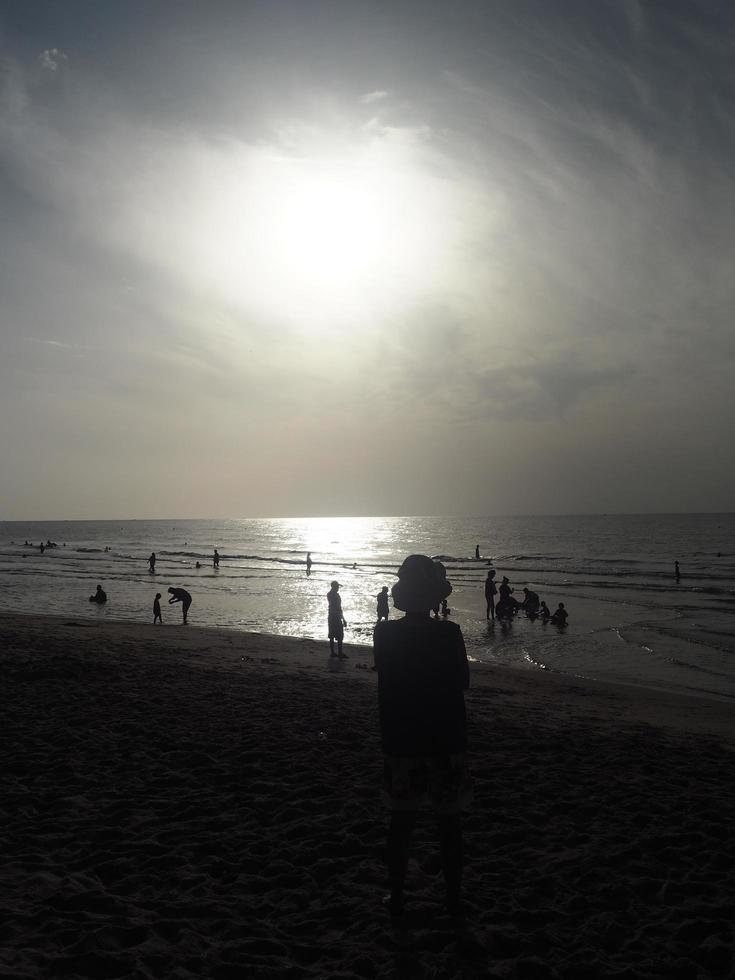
{"x": 157, "y": 609}
{"x": 422, "y": 675}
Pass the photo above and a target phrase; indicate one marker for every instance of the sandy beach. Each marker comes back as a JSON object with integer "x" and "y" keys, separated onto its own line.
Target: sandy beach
{"x": 189, "y": 803}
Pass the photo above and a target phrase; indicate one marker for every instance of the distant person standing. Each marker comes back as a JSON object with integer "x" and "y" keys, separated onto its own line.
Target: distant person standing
{"x": 336, "y": 622}
{"x": 215, "y": 559}
{"x": 477, "y": 552}
{"x": 152, "y": 562}
{"x": 182, "y": 596}
{"x": 382, "y": 597}
{"x": 157, "y": 609}
{"x": 422, "y": 676}
{"x": 308, "y": 563}
{"x": 677, "y": 573}
{"x": 491, "y": 590}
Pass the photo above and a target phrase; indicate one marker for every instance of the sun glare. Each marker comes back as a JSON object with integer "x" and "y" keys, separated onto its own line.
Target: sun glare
{"x": 323, "y": 240}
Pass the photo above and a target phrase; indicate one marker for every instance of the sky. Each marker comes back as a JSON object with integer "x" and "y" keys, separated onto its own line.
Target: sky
{"x": 349, "y": 257}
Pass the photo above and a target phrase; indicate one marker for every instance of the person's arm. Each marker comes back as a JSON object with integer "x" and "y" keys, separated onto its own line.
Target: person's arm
{"x": 174, "y": 598}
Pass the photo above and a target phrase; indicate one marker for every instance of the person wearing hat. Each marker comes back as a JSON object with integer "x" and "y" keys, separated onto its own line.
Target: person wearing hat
{"x": 336, "y": 622}
{"x": 422, "y": 675}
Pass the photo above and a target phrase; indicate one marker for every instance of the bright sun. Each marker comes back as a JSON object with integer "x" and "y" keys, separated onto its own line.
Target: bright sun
{"x": 324, "y": 239}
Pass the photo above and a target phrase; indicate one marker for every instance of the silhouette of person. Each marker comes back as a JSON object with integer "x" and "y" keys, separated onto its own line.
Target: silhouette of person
{"x": 42, "y": 547}
{"x": 677, "y": 573}
{"x": 531, "y": 602}
{"x": 182, "y": 596}
{"x": 507, "y": 605}
{"x": 382, "y": 597}
{"x": 490, "y": 593}
{"x": 152, "y": 562}
{"x": 544, "y": 611}
{"x": 477, "y": 551}
{"x": 441, "y": 571}
{"x": 198, "y": 565}
{"x": 308, "y": 563}
{"x": 100, "y": 596}
{"x": 157, "y": 609}
{"x": 560, "y": 615}
{"x": 215, "y": 559}
{"x": 335, "y": 621}
{"x": 422, "y": 675}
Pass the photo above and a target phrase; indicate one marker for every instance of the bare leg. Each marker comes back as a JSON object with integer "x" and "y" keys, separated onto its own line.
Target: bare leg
{"x": 399, "y": 836}
{"x": 450, "y": 841}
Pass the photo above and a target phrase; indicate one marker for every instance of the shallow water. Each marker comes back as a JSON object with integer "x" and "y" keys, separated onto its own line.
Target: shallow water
{"x": 630, "y": 621}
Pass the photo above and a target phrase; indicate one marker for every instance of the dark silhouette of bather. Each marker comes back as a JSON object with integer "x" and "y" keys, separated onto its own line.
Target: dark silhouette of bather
{"x": 507, "y": 606}
{"x": 182, "y": 596}
{"x": 491, "y": 590}
{"x": 215, "y": 559}
{"x": 335, "y": 622}
{"x": 100, "y": 596}
{"x": 152, "y": 562}
{"x": 531, "y": 602}
{"x": 157, "y": 609}
{"x": 382, "y": 597}
{"x": 677, "y": 573}
{"x": 308, "y": 563}
{"x": 422, "y": 675}
{"x": 560, "y": 615}
{"x": 544, "y": 611}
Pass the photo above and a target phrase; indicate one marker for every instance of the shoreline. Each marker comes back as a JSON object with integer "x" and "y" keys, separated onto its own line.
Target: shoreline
{"x": 206, "y": 804}
{"x": 633, "y": 704}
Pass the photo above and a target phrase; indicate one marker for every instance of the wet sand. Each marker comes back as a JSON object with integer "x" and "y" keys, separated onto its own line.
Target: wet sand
{"x": 190, "y": 803}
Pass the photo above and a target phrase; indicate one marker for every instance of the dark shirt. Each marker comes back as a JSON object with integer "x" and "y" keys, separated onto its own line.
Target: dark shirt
{"x": 335, "y": 607}
{"x": 422, "y": 674}
{"x": 181, "y": 594}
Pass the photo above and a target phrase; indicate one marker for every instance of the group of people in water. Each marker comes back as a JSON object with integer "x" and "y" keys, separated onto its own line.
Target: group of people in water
{"x": 507, "y": 606}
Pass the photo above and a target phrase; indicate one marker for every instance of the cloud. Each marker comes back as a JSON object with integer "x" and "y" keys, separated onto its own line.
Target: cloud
{"x": 52, "y": 59}
{"x": 370, "y": 97}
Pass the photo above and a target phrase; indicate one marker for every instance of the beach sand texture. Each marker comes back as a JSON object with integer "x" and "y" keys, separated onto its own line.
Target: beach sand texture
{"x": 188, "y": 803}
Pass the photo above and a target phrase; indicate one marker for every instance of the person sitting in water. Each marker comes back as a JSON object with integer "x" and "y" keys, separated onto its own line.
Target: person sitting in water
{"x": 560, "y": 616}
{"x": 507, "y": 606}
{"x": 100, "y": 596}
{"x": 531, "y": 602}
{"x": 544, "y": 611}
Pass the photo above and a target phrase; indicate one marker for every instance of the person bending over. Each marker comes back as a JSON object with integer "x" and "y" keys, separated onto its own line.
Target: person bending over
{"x": 182, "y": 596}
{"x": 422, "y": 675}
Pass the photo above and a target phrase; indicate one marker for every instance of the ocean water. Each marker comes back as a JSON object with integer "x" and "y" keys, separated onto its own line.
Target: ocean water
{"x": 630, "y": 621}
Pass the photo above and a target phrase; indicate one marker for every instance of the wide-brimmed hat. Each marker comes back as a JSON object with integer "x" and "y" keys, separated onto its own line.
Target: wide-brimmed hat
{"x": 335, "y": 584}
{"x": 422, "y": 584}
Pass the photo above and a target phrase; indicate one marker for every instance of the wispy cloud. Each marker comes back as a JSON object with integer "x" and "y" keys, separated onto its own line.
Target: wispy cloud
{"x": 370, "y": 97}
{"x": 52, "y": 59}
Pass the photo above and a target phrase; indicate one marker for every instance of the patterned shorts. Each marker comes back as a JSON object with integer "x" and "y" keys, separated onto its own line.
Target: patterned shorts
{"x": 443, "y": 779}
